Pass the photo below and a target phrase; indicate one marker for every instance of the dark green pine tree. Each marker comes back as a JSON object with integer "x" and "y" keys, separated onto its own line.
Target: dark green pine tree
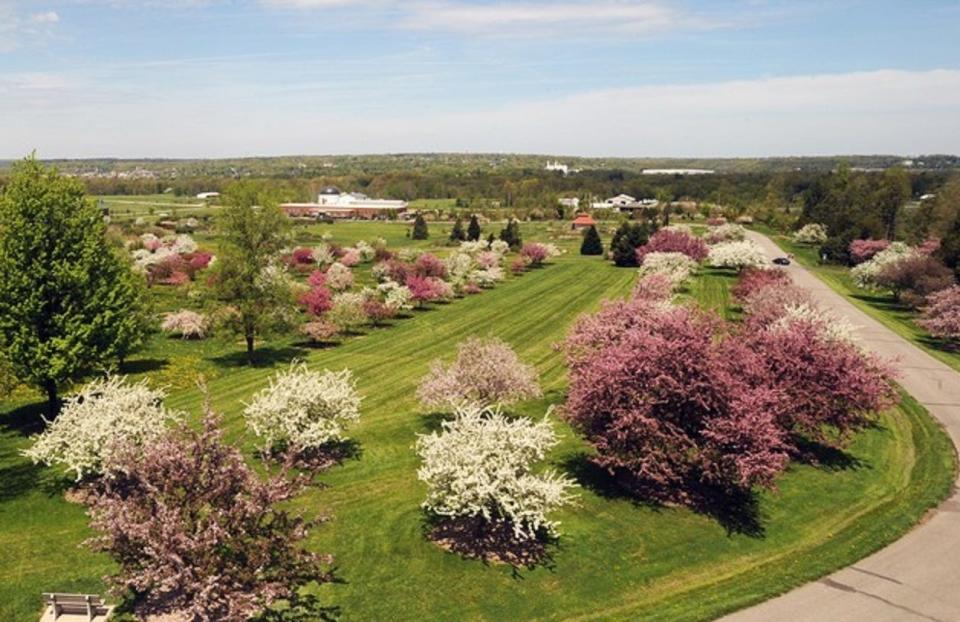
{"x": 491, "y": 238}
{"x": 473, "y": 229}
{"x": 626, "y": 240}
{"x": 511, "y": 234}
{"x": 69, "y": 301}
{"x": 457, "y": 234}
{"x": 592, "y": 244}
{"x": 420, "y": 231}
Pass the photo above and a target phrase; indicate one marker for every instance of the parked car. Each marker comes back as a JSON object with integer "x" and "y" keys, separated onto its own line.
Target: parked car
{"x": 782, "y": 261}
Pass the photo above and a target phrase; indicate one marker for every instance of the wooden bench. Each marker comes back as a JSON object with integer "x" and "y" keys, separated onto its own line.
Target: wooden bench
{"x": 90, "y": 606}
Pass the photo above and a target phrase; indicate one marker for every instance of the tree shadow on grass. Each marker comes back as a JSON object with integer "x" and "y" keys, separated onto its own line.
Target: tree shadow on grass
{"x": 737, "y": 511}
{"x": 143, "y": 366}
{"x": 492, "y": 542}
{"x": 432, "y": 422}
{"x": 302, "y": 607}
{"x": 18, "y": 479}
{"x": 25, "y": 420}
{"x": 262, "y": 357}
{"x": 318, "y": 459}
{"x": 825, "y": 457}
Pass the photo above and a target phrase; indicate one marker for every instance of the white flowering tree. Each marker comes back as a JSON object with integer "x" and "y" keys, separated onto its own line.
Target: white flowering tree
{"x": 486, "y": 372}
{"x": 675, "y": 266}
{"x": 725, "y": 233}
{"x": 303, "y": 409}
{"x": 738, "y": 254}
{"x": 95, "y": 422}
{"x": 812, "y": 233}
{"x": 339, "y": 277}
{"x": 347, "y": 311}
{"x": 480, "y": 466}
{"x": 832, "y": 328}
{"x": 185, "y": 323}
{"x": 865, "y": 274}
{"x": 397, "y": 297}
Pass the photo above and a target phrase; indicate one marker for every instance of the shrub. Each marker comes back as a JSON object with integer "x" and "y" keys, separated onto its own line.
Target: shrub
{"x": 303, "y": 256}
{"x": 303, "y": 409}
{"x": 660, "y": 402}
{"x": 317, "y": 300}
{"x": 317, "y": 279}
{"x": 811, "y": 233}
{"x": 320, "y": 331}
{"x": 534, "y": 253}
{"x": 488, "y": 259}
{"x": 429, "y": 265}
{"x": 377, "y": 311}
{"x": 480, "y": 465}
{"x": 942, "y": 315}
{"x": 519, "y": 265}
{"x": 188, "y": 324}
{"x": 350, "y": 257}
{"x": 675, "y": 266}
{"x": 339, "y": 277}
{"x": 96, "y": 421}
{"x": 864, "y": 250}
{"x": 395, "y": 296}
{"x": 484, "y": 373}
{"x": 196, "y": 534}
{"x": 592, "y": 244}
{"x": 738, "y": 255}
{"x": 428, "y": 289}
{"x": 674, "y": 241}
{"x": 754, "y": 279}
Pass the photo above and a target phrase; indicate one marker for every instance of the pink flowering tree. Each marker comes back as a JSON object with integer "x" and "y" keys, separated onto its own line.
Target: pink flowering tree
{"x": 659, "y": 401}
{"x": 674, "y": 241}
{"x": 534, "y": 253}
{"x": 486, "y": 372}
{"x": 316, "y": 301}
{"x": 427, "y": 289}
{"x": 653, "y": 287}
{"x": 942, "y": 315}
{"x": 754, "y": 279}
{"x": 864, "y": 250}
{"x": 769, "y": 304}
{"x": 428, "y": 265}
{"x": 195, "y": 533}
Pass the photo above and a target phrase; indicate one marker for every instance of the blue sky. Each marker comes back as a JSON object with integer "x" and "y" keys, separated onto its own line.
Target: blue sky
{"x": 195, "y": 78}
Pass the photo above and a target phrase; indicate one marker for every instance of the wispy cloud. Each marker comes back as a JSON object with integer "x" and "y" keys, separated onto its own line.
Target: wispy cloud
{"x": 17, "y": 27}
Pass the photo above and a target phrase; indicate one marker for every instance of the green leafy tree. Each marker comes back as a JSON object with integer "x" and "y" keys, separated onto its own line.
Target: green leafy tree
{"x": 457, "y": 234}
{"x": 889, "y": 198}
{"x": 420, "y": 231}
{"x": 511, "y": 234}
{"x": 592, "y": 244}
{"x": 248, "y": 279}
{"x": 473, "y": 229}
{"x": 69, "y": 301}
{"x": 626, "y": 240}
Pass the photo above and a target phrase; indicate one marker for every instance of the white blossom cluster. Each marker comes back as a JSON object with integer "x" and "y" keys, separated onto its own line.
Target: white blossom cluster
{"x": 812, "y": 233}
{"x": 395, "y": 296}
{"x": 480, "y": 466}
{"x": 366, "y": 250}
{"x": 726, "y": 233}
{"x": 865, "y": 274}
{"x": 347, "y": 311}
{"x": 675, "y": 266}
{"x": 832, "y": 328}
{"x": 94, "y": 422}
{"x": 339, "y": 277}
{"x": 737, "y": 254}
{"x": 188, "y": 324}
{"x": 323, "y": 256}
{"x": 304, "y": 409}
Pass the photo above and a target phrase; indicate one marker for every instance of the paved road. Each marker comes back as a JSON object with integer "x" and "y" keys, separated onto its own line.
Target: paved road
{"x": 917, "y": 577}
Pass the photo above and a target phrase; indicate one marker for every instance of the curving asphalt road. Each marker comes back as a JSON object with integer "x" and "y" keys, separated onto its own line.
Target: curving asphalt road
{"x": 918, "y": 576}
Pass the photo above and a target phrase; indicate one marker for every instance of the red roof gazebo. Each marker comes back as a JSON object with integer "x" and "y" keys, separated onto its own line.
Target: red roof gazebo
{"x": 583, "y": 221}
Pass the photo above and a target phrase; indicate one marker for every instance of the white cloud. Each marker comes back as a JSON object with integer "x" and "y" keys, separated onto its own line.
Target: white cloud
{"x": 16, "y": 29}
{"x": 867, "y": 112}
{"x": 46, "y": 17}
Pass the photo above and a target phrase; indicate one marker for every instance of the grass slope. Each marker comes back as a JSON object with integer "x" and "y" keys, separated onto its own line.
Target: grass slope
{"x": 616, "y": 560}
{"x": 883, "y": 308}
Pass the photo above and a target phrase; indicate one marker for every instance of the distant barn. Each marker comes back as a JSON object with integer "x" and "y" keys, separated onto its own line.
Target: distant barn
{"x": 336, "y": 204}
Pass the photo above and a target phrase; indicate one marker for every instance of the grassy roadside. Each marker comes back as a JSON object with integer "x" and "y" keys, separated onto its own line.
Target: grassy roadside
{"x": 880, "y": 307}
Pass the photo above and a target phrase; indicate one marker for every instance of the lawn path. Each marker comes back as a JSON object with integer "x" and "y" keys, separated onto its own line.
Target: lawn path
{"x": 916, "y": 577}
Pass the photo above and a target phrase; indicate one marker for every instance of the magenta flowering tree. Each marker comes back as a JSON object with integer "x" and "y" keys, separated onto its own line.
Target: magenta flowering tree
{"x": 196, "y": 533}
{"x": 428, "y": 265}
{"x": 942, "y": 315}
{"x": 864, "y": 250}
{"x": 754, "y": 279}
{"x": 535, "y": 253}
{"x": 316, "y": 301}
{"x": 769, "y": 304}
{"x": 653, "y": 287}
{"x": 829, "y": 387}
{"x": 674, "y": 241}
{"x": 426, "y": 288}
{"x": 658, "y": 400}
{"x": 317, "y": 278}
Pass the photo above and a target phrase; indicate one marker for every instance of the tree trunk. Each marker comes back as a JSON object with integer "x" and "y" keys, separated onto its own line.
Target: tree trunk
{"x": 249, "y": 337}
{"x": 53, "y": 398}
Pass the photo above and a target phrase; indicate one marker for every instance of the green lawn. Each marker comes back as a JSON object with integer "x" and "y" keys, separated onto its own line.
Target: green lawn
{"x": 616, "y": 559}
{"x": 878, "y": 305}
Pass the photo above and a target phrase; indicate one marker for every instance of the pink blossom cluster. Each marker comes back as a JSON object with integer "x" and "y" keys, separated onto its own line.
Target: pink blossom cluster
{"x": 864, "y": 250}
{"x": 942, "y": 314}
{"x": 674, "y": 241}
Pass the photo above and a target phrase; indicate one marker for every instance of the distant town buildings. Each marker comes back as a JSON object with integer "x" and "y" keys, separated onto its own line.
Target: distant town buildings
{"x": 573, "y": 202}
{"x": 678, "y": 171}
{"x": 560, "y": 168}
{"x": 336, "y": 204}
{"x": 625, "y": 203}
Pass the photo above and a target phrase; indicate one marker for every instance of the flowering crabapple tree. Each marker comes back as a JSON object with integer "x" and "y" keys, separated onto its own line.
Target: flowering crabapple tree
{"x": 654, "y": 288}
{"x": 188, "y": 324}
{"x": 316, "y": 300}
{"x": 738, "y": 255}
{"x": 754, "y": 279}
{"x": 480, "y": 465}
{"x": 942, "y": 315}
{"x": 485, "y": 372}
{"x": 320, "y": 331}
{"x": 96, "y": 421}
{"x": 725, "y": 233}
{"x": 865, "y": 274}
{"x": 339, "y": 277}
{"x": 675, "y": 266}
{"x": 303, "y": 409}
{"x": 864, "y": 250}
{"x": 346, "y": 311}
{"x": 196, "y": 534}
{"x": 669, "y": 240}
{"x": 535, "y": 253}
{"x": 811, "y": 233}
{"x": 914, "y": 277}
{"x": 429, "y": 266}
{"x": 769, "y": 304}
{"x": 658, "y": 398}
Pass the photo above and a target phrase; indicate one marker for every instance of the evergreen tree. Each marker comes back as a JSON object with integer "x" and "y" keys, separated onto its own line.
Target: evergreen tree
{"x": 592, "y": 244}
{"x": 420, "y": 231}
{"x": 626, "y": 240}
{"x": 511, "y": 234}
{"x": 473, "y": 229}
{"x": 69, "y": 301}
{"x": 949, "y": 251}
{"x": 491, "y": 239}
{"x": 457, "y": 234}
{"x": 253, "y": 230}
